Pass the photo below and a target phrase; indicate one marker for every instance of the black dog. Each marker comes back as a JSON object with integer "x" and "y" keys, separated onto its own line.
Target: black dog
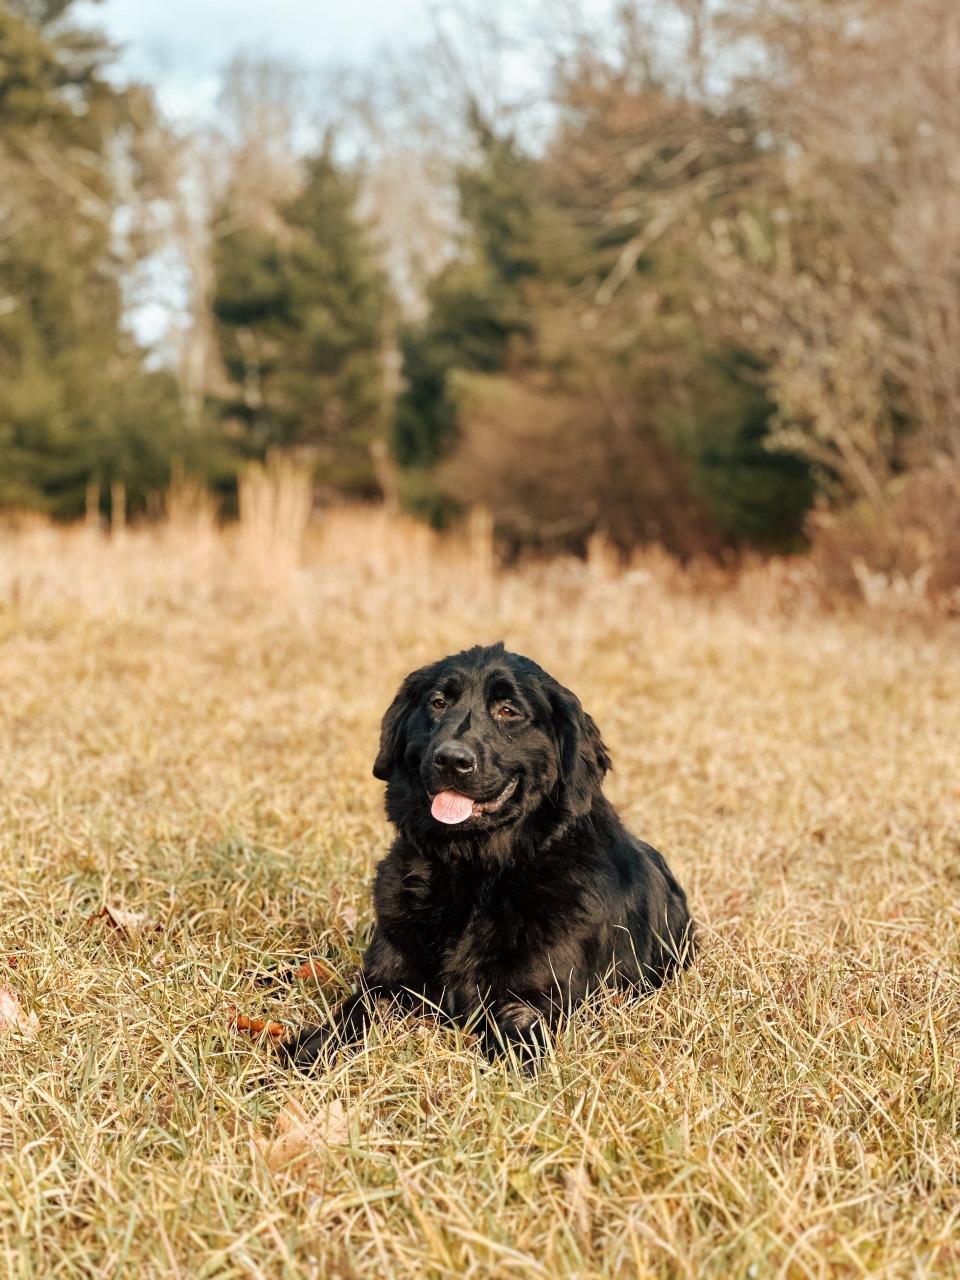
{"x": 512, "y": 887}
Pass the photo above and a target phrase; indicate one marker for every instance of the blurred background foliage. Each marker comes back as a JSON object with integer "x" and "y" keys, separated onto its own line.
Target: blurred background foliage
{"x": 700, "y": 286}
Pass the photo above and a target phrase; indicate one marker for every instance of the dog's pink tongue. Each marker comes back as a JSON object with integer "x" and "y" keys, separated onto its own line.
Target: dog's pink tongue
{"x": 451, "y": 807}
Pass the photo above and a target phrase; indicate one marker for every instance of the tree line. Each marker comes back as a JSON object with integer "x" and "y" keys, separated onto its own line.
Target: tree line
{"x": 704, "y": 287}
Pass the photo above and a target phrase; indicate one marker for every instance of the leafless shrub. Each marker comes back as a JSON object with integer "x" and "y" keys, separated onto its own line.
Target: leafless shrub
{"x": 845, "y": 276}
{"x": 555, "y": 470}
{"x": 905, "y": 555}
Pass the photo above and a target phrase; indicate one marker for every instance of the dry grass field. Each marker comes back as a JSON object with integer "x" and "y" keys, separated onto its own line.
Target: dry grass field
{"x": 187, "y": 727}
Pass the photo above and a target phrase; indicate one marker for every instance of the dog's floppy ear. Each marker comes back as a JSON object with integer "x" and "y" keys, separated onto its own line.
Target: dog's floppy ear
{"x": 393, "y": 740}
{"x": 583, "y": 757}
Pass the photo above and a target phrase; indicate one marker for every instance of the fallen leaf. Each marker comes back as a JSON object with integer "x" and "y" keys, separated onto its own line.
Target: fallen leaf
{"x": 316, "y": 971}
{"x": 297, "y": 1135}
{"x": 132, "y": 923}
{"x": 12, "y": 1017}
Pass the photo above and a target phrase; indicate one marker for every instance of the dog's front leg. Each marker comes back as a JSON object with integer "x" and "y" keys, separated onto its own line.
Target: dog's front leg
{"x": 389, "y": 983}
{"x": 311, "y": 1046}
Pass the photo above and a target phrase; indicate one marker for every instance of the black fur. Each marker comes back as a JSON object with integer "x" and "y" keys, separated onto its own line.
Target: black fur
{"x": 509, "y": 918}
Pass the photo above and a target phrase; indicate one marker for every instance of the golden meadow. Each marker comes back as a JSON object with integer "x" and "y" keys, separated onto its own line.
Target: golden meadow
{"x": 189, "y": 717}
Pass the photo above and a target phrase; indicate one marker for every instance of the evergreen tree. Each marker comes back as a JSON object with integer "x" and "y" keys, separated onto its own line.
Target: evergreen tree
{"x": 299, "y": 309}
{"x": 76, "y": 403}
{"x": 478, "y": 316}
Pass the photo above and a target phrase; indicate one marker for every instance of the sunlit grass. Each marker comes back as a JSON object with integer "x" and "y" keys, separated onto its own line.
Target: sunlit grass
{"x": 182, "y": 736}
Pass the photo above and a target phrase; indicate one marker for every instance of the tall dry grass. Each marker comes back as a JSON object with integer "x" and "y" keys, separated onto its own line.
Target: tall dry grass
{"x": 189, "y": 738}
{"x": 275, "y": 499}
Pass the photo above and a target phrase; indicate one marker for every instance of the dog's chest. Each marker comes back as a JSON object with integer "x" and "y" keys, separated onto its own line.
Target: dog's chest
{"x": 467, "y": 927}
{"x": 491, "y": 930}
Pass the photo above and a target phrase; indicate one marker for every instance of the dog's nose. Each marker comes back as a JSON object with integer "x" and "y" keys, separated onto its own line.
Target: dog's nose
{"x": 455, "y": 756}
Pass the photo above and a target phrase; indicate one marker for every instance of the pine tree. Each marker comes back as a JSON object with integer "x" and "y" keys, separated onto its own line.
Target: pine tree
{"x": 76, "y": 402}
{"x": 479, "y": 317}
{"x": 299, "y": 308}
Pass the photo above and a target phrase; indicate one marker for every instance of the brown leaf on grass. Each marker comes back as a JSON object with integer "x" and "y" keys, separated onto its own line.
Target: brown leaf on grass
{"x": 297, "y": 1136}
{"x": 314, "y": 970}
{"x": 132, "y": 923}
{"x": 12, "y": 1017}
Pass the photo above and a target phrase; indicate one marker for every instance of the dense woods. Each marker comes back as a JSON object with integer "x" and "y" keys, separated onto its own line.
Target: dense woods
{"x": 702, "y": 287}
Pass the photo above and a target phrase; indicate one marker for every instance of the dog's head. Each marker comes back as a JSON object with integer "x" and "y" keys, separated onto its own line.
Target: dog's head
{"x": 485, "y": 739}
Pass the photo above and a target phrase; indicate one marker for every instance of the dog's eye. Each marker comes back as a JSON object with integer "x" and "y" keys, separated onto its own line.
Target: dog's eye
{"x": 506, "y": 712}
{"x": 438, "y": 702}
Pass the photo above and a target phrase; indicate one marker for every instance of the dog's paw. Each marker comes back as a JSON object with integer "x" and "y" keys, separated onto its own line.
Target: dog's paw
{"x": 516, "y": 1029}
{"x": 309, "y": 1049}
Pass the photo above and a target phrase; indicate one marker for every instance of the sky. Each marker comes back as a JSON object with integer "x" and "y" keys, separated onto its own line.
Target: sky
{"x": 181, "y": 45}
